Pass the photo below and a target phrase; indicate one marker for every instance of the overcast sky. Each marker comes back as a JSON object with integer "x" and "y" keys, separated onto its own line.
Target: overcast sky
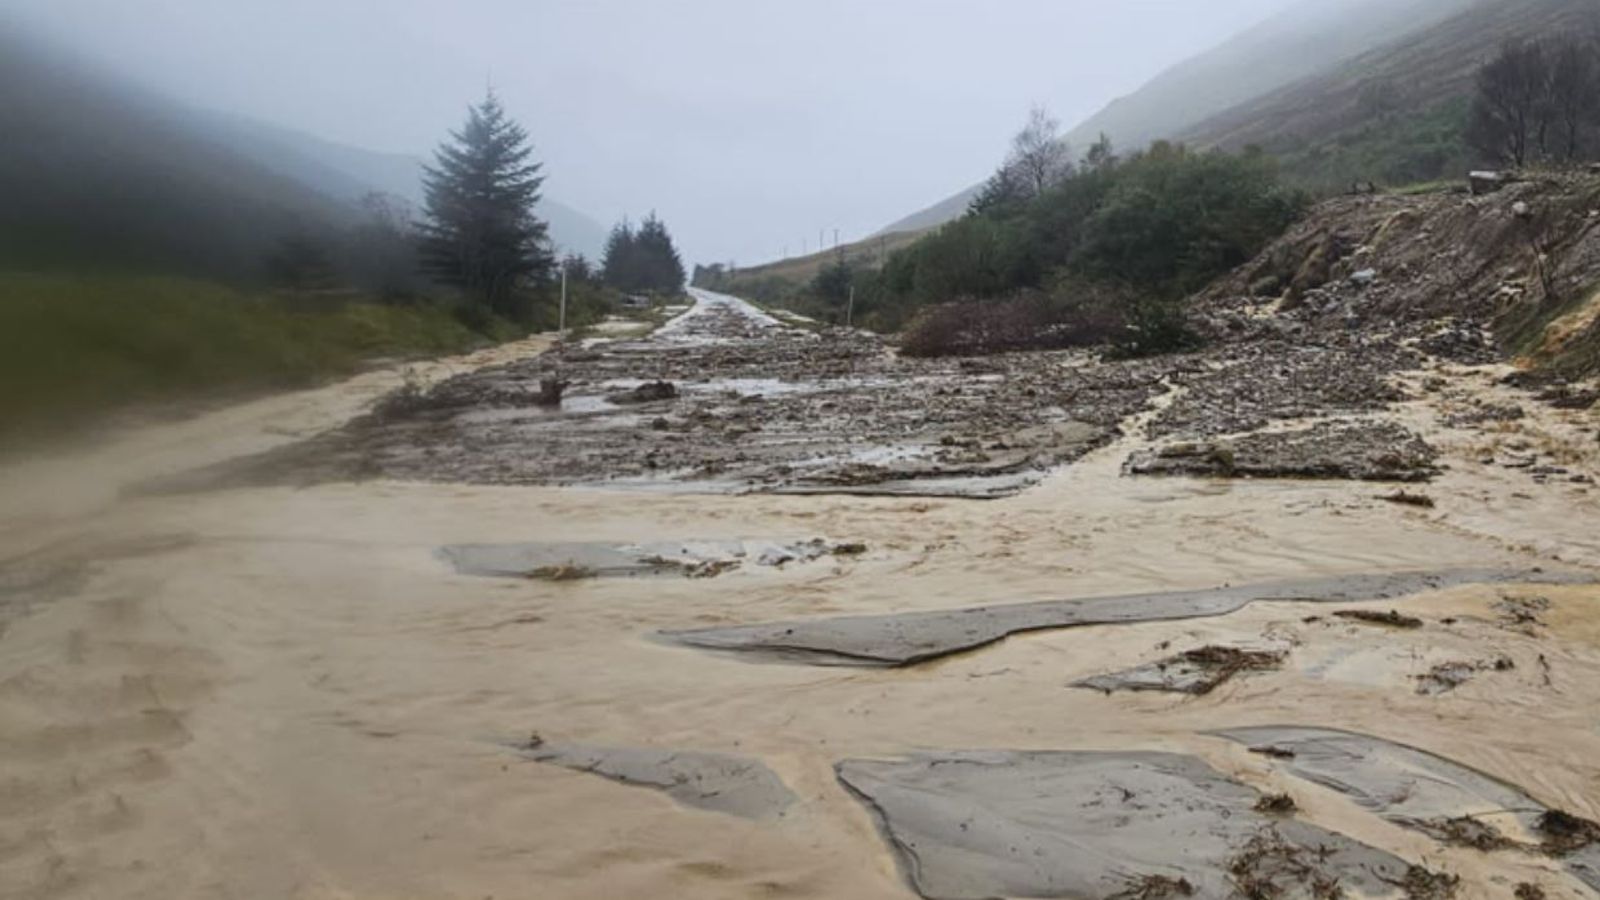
{"x": 748, "y": 125}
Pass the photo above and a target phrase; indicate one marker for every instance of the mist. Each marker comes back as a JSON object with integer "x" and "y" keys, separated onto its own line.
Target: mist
{"x": 750, "y": 127}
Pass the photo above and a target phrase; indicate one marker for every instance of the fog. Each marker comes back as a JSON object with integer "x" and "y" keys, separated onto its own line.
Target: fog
{"x": 748, "y": 126}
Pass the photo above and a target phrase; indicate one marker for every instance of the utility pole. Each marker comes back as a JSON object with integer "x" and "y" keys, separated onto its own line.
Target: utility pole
{"x": 822, "y": 242}
{"x": 561, "y": 329}
{"x": 850, "y": 311}
{"x": 836, "y": 237}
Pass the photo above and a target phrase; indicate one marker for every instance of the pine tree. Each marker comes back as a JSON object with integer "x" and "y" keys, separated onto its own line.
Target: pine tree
{"x": 481, "y": 233}
{"x": 617, "y": 266}
{"x": 643, "y": 260}
{"x": 661, "y": 267}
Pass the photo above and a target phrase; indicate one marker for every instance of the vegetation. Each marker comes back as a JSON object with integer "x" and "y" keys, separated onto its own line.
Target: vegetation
{"x": 480, "y": 234}
{"x": 1539, "y": 101}
{"x": 643, "y": 260}
{"x": 76, "y": 346}
{"x": 1396, "y": 149}
{"x": 1105, "y": 252}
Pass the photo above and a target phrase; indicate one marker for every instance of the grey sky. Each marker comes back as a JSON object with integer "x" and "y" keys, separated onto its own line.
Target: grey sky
{"x": 747, "y": 124}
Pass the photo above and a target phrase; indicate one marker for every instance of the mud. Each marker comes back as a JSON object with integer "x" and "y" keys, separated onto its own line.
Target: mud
{"x": 1366, "y": 451}
{"x": 689, "y": 559}
{"x": 1197, "y": 672}
{"x": 734, "y": 785}
{"x": 727, "y": 399}
{"x": 977, "y": 825}
{"x": 911, "y": 638}
{"x": 1416, "y": 789}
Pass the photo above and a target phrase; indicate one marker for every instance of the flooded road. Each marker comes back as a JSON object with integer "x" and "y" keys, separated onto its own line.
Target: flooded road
{"x": 292, "y": 690}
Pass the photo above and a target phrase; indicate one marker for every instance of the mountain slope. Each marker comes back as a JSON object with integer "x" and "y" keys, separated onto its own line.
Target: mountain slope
{"x": 1413, "y": 74}
{"x": 97, "y": 174}
{"x": 1310, "y": 38}
{"x": 350, "y": 173}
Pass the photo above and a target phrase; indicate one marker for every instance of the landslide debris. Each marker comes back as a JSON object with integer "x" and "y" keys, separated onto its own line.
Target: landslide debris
{"x": 1362, "y": 451}
{"x": 725, "y": 399}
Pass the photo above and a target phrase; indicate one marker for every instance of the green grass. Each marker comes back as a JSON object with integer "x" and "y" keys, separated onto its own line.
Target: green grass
{"x": 74, "y": 348}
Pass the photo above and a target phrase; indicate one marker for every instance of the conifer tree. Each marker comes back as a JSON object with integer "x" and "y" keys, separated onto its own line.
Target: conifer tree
{"x": 480, "y": 232}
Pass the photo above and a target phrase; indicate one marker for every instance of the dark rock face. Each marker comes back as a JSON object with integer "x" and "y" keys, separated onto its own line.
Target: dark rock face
{"x": 1361, "y": 451}
{"x": 977, "y": 825}
{"x": 721, "y": 783}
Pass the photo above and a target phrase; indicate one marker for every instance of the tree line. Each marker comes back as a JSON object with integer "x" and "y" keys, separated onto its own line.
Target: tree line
{"x": 1538, "y": 102}
{"x": 642, "y": 260}
{"x": 479, "y": 239}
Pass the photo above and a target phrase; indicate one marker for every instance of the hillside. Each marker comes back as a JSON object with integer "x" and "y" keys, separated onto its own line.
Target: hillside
{"x": 1514, "y": 273}
{"x": 116, "y": 178}
{"x": 768, "y": 282}
{"x": 1369, "y": 118}
{"x": 349, "y": 173}
{"x": 1299, "y": 43}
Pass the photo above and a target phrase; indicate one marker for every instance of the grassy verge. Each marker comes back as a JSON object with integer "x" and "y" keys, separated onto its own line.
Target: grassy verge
{"x": 74, "y": 348}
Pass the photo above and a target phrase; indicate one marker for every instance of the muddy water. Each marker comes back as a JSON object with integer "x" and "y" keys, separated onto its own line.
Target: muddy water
{"x": 289, "y": 693}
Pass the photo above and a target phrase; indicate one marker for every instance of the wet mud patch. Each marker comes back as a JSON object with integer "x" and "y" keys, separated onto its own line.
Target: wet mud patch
{"x": 734, "y": 785}
{"x": 1360, "y": 451}
{"x": 910, "y": 638}
{"x": 1424, "y": 792}
{"x": 598, "y": 559}
{"x": 728, "y": 400}
{"x": 1197, "y": 672}
{"x": 977, "y": 825}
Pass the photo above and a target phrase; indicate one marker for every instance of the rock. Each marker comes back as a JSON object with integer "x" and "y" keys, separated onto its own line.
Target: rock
{"x": 1484, "y": 182}
{"x": 1521, "y": 210}
{"x": 1364, "y": 277}
{"x": 649, "y": 392}
{"x": 1362, "y": 451}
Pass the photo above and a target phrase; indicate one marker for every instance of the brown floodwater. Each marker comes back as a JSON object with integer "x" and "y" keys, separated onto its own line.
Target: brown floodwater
{"x": 290, "y": 692}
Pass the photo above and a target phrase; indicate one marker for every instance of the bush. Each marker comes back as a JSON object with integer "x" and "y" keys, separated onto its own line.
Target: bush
{"x": 1116, "y": 246}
